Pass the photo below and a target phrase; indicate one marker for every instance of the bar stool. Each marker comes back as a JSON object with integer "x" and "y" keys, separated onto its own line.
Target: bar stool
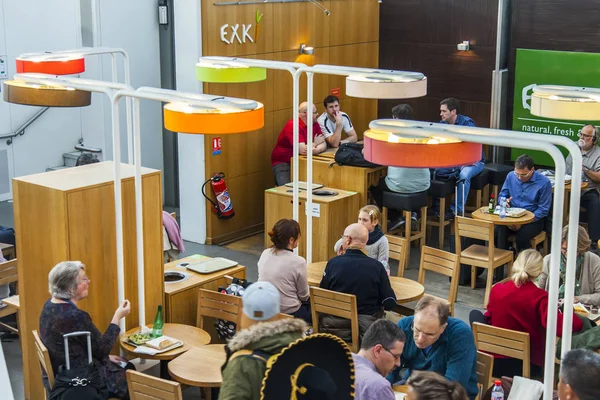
{"x": 441, "y": 190}
{"x": 497, "y": 176}
{"x": 479, "y": 183}
{"x": 407, "y": 203}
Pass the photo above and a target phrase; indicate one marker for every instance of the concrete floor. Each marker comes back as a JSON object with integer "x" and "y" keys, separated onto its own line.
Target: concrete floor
{"x": 435, "y": 284}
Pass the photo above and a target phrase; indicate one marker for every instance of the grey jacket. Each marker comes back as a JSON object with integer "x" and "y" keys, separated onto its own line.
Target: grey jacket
{"x": 589, "y": 282}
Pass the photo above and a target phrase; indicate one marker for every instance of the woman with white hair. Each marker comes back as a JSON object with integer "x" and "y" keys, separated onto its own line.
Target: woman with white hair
{"x": 587, "y": 275}
{"x": 68, "y": 284}
{"x": 518, "y": 304}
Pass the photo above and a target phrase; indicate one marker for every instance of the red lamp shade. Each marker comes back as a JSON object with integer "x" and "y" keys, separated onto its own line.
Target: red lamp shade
{"x": 385, "y": 148}
{"x": 51, "y": 65}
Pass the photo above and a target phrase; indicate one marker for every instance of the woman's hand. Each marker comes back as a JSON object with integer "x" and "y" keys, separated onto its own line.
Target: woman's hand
{"x": 123, "y": 311}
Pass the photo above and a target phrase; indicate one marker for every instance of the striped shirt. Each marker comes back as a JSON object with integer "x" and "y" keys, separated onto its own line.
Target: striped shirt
{"x": 328, "y": 126}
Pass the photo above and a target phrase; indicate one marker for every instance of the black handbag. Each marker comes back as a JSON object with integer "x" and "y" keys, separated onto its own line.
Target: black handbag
{"x": 78, "y": 383}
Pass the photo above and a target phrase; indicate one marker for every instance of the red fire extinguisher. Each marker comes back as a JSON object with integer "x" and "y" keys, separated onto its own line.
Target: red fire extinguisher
{"x": 223, "y": 206}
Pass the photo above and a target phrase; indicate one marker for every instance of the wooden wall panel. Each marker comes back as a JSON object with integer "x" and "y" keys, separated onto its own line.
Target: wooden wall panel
{"x": 349, "y": 36}
{"x": 421, "y": 35}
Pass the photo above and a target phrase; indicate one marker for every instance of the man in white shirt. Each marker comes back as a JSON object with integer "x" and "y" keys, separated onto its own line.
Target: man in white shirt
{"x": 333, "y": 121}
{"x": 379, "y": 354}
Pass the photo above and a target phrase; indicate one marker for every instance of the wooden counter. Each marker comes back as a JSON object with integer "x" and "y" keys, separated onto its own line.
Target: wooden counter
{"x": 356, "y": 179}
{"x": 335, "y": 214}
{"x": 181, "y": 298}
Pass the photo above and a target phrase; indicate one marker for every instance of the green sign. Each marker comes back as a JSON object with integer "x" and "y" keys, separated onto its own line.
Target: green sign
{"x": 539, "y": 67}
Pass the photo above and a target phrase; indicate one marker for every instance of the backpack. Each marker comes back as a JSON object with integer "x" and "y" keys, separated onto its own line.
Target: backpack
{"x": 351, "y": 154}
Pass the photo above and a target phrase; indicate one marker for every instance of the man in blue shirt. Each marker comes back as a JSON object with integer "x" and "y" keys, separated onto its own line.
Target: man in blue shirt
{"x": 439, "y": 343}
{"x": 528, "y": 189}
{"x": 449, "y": 113}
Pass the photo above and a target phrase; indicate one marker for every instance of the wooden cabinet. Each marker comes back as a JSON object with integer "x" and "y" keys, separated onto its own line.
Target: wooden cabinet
{"x": 335, "y": 214}
{"x": 70, "y": 215}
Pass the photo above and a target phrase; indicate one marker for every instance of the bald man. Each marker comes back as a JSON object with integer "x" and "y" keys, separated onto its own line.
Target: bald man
{"x": 283, "y": 150}
{"x": 356, "y": 273}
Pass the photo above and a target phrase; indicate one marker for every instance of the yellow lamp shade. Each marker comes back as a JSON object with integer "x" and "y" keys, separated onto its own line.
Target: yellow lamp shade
{"x": 229, "y": 72}
{"x": 566, "y": 102}
{"x": 20, "y": 92}
{"x": 183, "y": 118}
{"x": 387, "y": 86}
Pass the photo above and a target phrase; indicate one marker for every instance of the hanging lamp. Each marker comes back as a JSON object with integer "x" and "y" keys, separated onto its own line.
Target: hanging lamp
{"x": 403, "y": 85}
{"x": 223, "y": 71}
{"x": 566, "y": 102}
{"x": 395, "y": 149}
{"x": 51, "y": 64}
{"x": 28, "y": 94}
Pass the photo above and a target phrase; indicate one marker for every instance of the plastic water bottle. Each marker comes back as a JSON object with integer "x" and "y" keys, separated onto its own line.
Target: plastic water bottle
{"x": 497, "y": 391}
{"x": 502, "y": 207}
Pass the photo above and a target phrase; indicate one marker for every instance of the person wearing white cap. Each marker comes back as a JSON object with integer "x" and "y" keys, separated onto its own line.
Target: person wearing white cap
{"x": 264, "y": 334}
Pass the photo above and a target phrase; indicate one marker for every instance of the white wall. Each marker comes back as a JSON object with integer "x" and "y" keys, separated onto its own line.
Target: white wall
{"x": 33, "y": 26}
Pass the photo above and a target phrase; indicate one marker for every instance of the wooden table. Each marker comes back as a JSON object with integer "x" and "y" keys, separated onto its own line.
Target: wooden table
{"x": 406, "y": 290}
{"x": 346, "y": 177}
{"x": 12, "y": 301}
{"x": 200, "y": 367}
{"x": 181, "y": 298}
{"x": 400, "y": 388}
{"x": 190, "y": 336}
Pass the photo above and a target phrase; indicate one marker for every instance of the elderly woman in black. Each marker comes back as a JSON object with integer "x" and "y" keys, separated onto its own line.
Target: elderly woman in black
{"x": 68, "y": 283}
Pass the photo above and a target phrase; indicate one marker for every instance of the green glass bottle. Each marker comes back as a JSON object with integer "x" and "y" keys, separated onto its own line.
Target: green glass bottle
{"x": 157, "y": 327}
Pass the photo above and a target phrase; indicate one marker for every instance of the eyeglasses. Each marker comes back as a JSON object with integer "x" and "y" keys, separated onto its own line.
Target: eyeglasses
{"x": 417, "y": 331}
{"x": 581, "y": 135}
{"x": 523, "y": 175}
{"x": 396, "y": 356}
{"x": 84, "y": 280}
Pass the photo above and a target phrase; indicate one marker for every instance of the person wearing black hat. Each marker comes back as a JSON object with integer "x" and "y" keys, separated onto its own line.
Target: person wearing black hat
{"x": 263, "y": 336}
{"x": 379, "y": 354}
{"x": 317, "y": 367}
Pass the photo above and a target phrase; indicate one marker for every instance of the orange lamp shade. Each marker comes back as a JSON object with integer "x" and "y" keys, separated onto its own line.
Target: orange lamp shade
{"x": 385, "y": 148}
{"x": 19, "y": 92}
{"x": 183, "y": 118}
{"x": 52, "y": 65}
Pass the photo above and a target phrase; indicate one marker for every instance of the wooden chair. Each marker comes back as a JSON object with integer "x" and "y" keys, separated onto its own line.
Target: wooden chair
{"x": 8, "y": 274}
{"x": 481, "y": 256}
{"x": 398, "y": 252}
{"x": 444, "y": 263}
{"x": 218, "y": 305}
{"x": 485, "y": 366}
{"x": 44, "y": 359}
{"x": 341, "y": 305}
{"x": 505, "y": 342}
{"x": 147, "y": 387}
{"x": 540, "y": 238}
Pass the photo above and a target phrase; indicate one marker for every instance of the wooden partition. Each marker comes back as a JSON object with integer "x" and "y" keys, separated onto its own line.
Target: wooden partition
{"x": 349, "y": 36}
{"x": 69, "y": 214}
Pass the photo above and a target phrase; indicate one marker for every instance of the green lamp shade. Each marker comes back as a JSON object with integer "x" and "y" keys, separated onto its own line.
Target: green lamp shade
{"x": 226, "y": 74}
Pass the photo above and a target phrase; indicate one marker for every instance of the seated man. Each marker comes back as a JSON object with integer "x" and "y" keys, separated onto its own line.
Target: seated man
{"x": 588, "y": 139}
{"x": 264, "y": 335}
{"x": 333, "y": 121}
{"x": 401, "y": 180}
{"x": 282, "y": 152}
{"x": 356, "y": 273}
{"x": 439, "y": 343}
{"x": 379, "y": 353}
{"x": 449, "y": 112}
{"x": 528, "y": 189}
{"x": 579, "y": 372}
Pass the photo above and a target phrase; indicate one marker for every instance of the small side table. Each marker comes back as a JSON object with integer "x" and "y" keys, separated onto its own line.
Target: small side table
{"x": 200, "y": 367}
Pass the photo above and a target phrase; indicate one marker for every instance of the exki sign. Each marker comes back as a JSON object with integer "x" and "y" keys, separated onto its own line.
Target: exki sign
{"x": 232, "y": 33}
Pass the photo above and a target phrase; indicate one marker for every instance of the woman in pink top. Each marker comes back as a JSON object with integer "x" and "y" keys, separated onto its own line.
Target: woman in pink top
{"x": 286, "y": 270}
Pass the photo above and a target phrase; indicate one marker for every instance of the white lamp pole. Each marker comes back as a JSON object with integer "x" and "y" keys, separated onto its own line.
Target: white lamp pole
{"x": 89, "y": 51}
{"x": 535, "y": 142}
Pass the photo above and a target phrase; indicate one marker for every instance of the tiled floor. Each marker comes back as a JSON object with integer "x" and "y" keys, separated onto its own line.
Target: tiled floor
{"x": 247, "y": 253}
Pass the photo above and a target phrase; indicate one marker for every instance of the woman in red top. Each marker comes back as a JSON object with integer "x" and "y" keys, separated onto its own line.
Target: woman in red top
{"x": 518, "y": 304}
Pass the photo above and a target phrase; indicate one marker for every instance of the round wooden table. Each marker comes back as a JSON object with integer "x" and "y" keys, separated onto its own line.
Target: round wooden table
{"x": 201, "y": 366}
{"x": 190, "y": 336}
{"x": 484, "y": 215}
{"x": 406, "y": 290}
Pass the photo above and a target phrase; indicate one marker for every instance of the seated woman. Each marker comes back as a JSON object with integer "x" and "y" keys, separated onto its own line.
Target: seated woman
{"x": 426, "y": 385}
{"x": 587, "y": 277}
{"x": 518, "y": 304}
{"x": 68, "y": 284}
{"x": 378, "y": 246}
{"x": 286, "y": 270}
